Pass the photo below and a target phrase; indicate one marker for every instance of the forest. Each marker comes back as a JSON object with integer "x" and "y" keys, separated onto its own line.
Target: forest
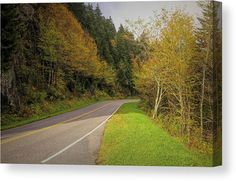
{"x": 60, "y": 52}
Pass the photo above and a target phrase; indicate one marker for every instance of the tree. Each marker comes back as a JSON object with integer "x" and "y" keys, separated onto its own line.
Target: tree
{"x": 80, "y": 49}
{"x": 101, "y": 29}
{"x": 208, "y": 38}
{"x": 166, "y": 74}
{"x": 16, "y": 47}
{"x": 48, "y": 40}
{"x": 51, "y": 47}
{"x": 124, "y": 45}
{"x": 116, "y": 48}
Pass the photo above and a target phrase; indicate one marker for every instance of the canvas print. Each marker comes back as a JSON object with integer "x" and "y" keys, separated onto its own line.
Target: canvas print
{"x": 112, "y": 83}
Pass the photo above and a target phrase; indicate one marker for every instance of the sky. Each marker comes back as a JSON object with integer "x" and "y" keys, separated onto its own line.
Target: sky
{"x": 120, "y": 11}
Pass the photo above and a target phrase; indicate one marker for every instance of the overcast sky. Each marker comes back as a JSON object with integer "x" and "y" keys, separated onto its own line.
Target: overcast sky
{"x": 120, "y": 11}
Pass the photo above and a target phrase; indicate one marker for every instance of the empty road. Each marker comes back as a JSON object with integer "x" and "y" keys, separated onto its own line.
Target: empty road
{"x": 70, "y": 138}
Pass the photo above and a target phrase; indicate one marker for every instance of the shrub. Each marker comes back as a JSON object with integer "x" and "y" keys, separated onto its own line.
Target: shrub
{"x": 33, "y": 96}
{"x": 101, "y": 94}
{"x": 54, "y": 93}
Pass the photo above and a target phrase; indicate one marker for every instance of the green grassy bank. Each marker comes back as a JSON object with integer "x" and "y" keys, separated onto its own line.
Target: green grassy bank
{"x": 132, "y": 138}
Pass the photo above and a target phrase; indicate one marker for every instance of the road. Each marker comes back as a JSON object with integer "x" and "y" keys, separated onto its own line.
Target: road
{"x": 70, "y": 138}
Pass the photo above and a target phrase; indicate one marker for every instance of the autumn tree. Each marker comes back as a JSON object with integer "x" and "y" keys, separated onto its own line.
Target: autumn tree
{"x": 115, "y": 48}
{"x": 79, "y": 51}
{"x": 165, "y": 78}
{"x": 48, "y": 56}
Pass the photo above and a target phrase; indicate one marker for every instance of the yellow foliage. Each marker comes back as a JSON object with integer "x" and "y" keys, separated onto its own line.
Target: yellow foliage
{"x": 80, "y": 50}
{"x": 169, "y": 61}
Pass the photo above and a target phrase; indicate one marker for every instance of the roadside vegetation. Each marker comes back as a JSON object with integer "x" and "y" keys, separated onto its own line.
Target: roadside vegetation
{"x": 180, "y": 78}
{"x": 45, "y": 110}
{"x": 133, "y": 138}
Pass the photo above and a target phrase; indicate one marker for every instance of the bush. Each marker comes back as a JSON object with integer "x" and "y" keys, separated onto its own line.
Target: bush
{"x": 54, "y": 93}
{"x": 41, "y": 96}
{"x": 26, "y": 112}
{"x": 101, "y": 94}
{"x": 33, "y": 96}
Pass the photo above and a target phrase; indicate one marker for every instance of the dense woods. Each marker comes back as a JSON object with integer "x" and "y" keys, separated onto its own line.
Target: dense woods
{"x": 54, "y": 52}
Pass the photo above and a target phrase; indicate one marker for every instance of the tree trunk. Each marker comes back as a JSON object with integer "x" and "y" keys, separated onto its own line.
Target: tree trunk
{"x": 182, "y": 112}
{"x": 158, "y": 99}
{"x": 203, "y": 86}
{"x": 202, "y": 100}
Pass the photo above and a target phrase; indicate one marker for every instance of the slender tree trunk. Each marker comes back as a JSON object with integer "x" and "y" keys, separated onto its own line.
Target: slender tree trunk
{"x": 189, "y": 127}
{"x": 76, "y": 79}
{"x": 50, "y": 74}
{"x": 202, "y": 100}
{"x": 203, "y": 87}
{"x": 43, "y": 73}
{"x": 158, "y": 99}
{"x": 182, "y": 113}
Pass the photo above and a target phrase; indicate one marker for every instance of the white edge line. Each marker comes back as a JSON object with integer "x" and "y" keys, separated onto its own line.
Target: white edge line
{"x": 80, "y": 139}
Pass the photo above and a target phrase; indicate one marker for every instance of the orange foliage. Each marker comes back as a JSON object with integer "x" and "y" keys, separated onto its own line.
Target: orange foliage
{"x": 80, "y": 50}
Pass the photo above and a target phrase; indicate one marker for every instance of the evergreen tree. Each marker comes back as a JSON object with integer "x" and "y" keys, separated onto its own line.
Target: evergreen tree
{"x": 16, "y": 47}
{"x": 116, "y": 48}
{"x": 101, "y": 29}
{"x": 124, "y": 46}
{"x": 210, "y": 50}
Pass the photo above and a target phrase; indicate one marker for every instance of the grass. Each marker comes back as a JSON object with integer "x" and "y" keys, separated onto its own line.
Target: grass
{"x": 132, "y": 138}
{"x": 46, "y": 110}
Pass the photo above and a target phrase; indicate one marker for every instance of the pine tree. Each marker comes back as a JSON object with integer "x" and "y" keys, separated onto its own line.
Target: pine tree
{"x": 16, "y": 49}
{"x": 123, "y": 63}
{"x": 208, "y": 36}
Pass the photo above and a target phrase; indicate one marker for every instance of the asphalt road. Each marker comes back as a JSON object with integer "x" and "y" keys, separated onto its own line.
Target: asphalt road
{"x": 70, "y": 138}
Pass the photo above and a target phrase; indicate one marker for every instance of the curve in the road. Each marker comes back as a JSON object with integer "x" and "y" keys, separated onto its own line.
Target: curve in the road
{"x": 28, "y": 133}
{"x": 70, "y": 138}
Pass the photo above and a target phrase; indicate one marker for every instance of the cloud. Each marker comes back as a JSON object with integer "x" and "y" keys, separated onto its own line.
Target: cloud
{"x": 120, "y": 11}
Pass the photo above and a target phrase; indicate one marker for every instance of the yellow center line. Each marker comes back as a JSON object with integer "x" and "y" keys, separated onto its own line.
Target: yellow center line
{"x": 7, "y": 140}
